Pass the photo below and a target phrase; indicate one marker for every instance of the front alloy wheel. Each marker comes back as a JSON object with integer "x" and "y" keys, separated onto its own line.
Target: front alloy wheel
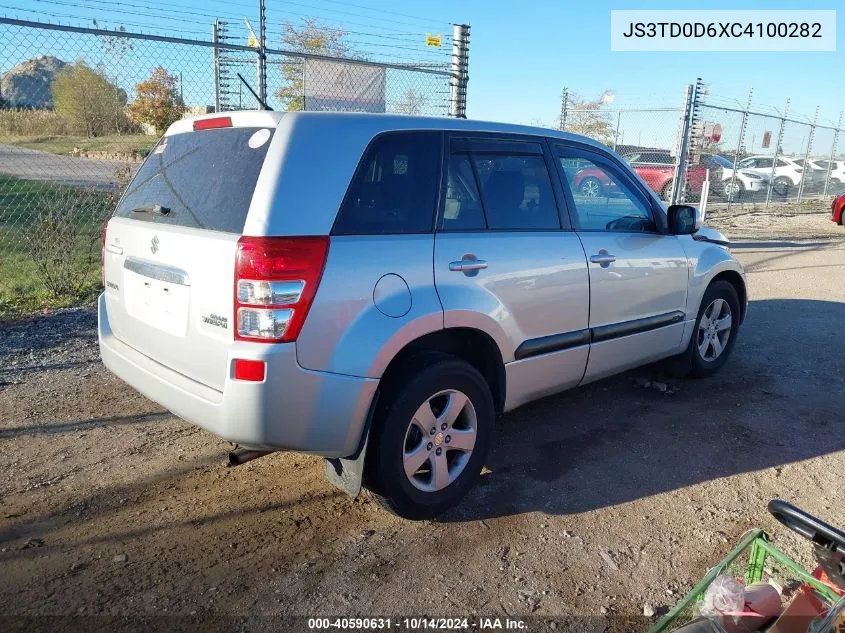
{"x": 714, "y": 330}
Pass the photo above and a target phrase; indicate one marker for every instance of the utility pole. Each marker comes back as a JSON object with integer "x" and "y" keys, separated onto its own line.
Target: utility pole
{"x": 807, "y": 168}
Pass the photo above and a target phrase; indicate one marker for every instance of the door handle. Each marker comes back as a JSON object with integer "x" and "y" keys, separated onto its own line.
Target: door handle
{"x": 603, "y": 258}
{"x": 467, "y": 265}
{"x": 114, "y": 249}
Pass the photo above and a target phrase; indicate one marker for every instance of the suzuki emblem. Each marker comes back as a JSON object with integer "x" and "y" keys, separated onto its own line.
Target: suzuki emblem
{"x": 154, "y": 244}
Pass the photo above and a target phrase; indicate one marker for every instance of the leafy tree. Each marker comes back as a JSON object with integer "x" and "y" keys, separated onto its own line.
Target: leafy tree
{"x": 90, "y": 102}
{"x": 157, "y": 101}
{"x": 412, "y": 102}
{"x": 310, "y": 38}
{"x": 585, "y": 117}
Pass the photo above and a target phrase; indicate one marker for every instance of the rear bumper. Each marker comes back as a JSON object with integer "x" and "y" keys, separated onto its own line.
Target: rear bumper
{"x": 293, "y": 409}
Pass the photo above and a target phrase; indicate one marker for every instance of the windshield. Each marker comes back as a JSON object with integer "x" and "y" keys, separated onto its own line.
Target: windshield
{"x": 202, "y": 179}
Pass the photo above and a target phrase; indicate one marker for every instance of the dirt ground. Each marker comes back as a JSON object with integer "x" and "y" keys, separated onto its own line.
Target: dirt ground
{"x": 597, "y": 501}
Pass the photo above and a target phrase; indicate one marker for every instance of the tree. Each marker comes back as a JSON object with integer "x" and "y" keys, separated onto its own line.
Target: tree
{"x": 412, "y": 102}
{"x": 157, "y": 101}
{"x": 90, "y": 102}
{"x": 585, "y": 117}
{"x": 310, "y": 38}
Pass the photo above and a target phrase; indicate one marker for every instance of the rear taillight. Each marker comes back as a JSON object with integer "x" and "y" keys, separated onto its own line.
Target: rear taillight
{"x": 276, "y": 279}
{"x": 103, "y": 255}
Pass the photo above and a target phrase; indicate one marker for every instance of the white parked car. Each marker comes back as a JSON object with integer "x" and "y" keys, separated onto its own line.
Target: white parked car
{"x": 788, "y": 173}
{"x": 722, "y": 169}
{"x": 837, "y": 169}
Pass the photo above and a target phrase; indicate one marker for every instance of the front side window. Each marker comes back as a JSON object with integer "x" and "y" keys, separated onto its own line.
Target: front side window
{"x": 394, "y": 190}
{"x": 604, "y": 200}
{"x": 746, "y": 163}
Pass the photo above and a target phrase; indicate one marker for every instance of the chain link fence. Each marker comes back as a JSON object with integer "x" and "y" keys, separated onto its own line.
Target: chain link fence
{"x": 80, "y": 109}
{"x": 748, "y": 157}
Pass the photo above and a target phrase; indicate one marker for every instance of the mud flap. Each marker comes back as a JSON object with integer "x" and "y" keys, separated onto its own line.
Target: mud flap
{"x": 347, "y": 474}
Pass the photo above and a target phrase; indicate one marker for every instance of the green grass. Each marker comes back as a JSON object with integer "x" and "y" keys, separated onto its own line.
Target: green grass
{"x": 139, "y": 143}
{"x": 22, "y": 289}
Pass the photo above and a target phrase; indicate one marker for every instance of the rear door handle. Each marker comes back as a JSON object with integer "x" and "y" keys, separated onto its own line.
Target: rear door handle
{"x": 467, "y": 265}
{"x": 115, "y": 249}
{"x": 603, "y": 258}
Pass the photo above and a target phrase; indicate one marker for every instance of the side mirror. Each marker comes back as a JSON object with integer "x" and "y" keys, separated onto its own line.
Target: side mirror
{"x": 683, "y": 219}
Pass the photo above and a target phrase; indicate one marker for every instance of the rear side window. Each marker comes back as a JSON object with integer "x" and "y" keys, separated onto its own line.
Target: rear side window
{"x": 394, "y": 190}
{"x": 517, "y": 192}
{"x": 202, "y": 179}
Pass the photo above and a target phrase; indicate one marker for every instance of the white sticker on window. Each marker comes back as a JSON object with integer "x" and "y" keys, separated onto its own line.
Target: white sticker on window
{"x": 161, "y": 147}
{"x": 259, "y": 138}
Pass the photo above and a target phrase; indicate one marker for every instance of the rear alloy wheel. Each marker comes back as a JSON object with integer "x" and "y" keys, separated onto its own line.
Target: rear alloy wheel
{"x": 430, "y": 437}
{"x": 591, "y": 187}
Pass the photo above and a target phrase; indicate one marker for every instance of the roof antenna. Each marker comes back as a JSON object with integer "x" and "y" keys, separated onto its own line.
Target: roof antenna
{"x": 257, "y": 98}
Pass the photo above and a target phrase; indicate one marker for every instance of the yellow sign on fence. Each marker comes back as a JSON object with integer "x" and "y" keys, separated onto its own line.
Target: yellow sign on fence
{"x": 433, "y": 40}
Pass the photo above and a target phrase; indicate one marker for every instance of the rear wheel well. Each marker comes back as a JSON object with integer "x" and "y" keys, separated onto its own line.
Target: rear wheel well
{"x": 472, "y": 346}
{"x": 735, "y": 279}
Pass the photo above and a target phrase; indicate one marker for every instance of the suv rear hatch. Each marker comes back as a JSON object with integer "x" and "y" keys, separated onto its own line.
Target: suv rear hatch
{"x": 169, "y": 251}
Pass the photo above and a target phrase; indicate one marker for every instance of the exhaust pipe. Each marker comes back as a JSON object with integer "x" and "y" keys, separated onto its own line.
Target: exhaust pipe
{"x": 242, "y": 456}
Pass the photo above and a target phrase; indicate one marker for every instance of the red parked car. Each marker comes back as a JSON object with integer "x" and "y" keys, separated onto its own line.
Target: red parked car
{"x": 837, "y": 208}
{"x": 656, "y": 168}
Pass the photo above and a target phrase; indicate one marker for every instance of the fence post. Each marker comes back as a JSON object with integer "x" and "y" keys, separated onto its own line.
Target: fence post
{"x": 460, "y": 71}
{"x": 215, "y": 57}
{"x": 806, "y": 170}
{"x": 739, "y": 145}
{"x": 618, "y": 124}
{"x": 832, "y": 154}
{"x": 262, "y": 51}
{"x": 564, "y": 107}
{"x": 777, "y": 153}
{"x": 684, "y": 132}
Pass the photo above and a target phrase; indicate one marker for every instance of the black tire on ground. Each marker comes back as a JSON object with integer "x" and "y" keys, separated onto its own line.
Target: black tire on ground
{"x": 384, "y": 471}
{"x": 782, "y": 185}
{"x": 691, "y": 363}
{"x": 666, "y": 192}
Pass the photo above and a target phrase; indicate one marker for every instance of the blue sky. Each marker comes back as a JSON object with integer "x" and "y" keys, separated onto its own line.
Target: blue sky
{"x": 523, "y": 53}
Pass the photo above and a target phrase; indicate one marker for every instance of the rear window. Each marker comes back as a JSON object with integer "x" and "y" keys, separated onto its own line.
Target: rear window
{"x": 202, "y": 179}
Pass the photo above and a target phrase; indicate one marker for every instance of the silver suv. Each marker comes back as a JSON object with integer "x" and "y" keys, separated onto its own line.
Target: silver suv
{"x": 377, "y": 289}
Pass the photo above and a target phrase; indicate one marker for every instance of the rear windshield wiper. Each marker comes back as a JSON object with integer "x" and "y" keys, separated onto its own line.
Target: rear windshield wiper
{"x": 152, "y": 208}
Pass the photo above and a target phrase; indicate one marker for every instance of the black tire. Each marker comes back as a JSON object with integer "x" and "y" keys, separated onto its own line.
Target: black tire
{"x": 691, "y": 363}
{"x": 666, "y": 192}
{"x": 591, "y": 187}
{"x": 384, "y": 472}
{"x": 782, "y": 185}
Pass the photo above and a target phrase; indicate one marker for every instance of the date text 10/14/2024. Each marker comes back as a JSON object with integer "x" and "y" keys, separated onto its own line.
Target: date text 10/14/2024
{"x": 417, "y": 623}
